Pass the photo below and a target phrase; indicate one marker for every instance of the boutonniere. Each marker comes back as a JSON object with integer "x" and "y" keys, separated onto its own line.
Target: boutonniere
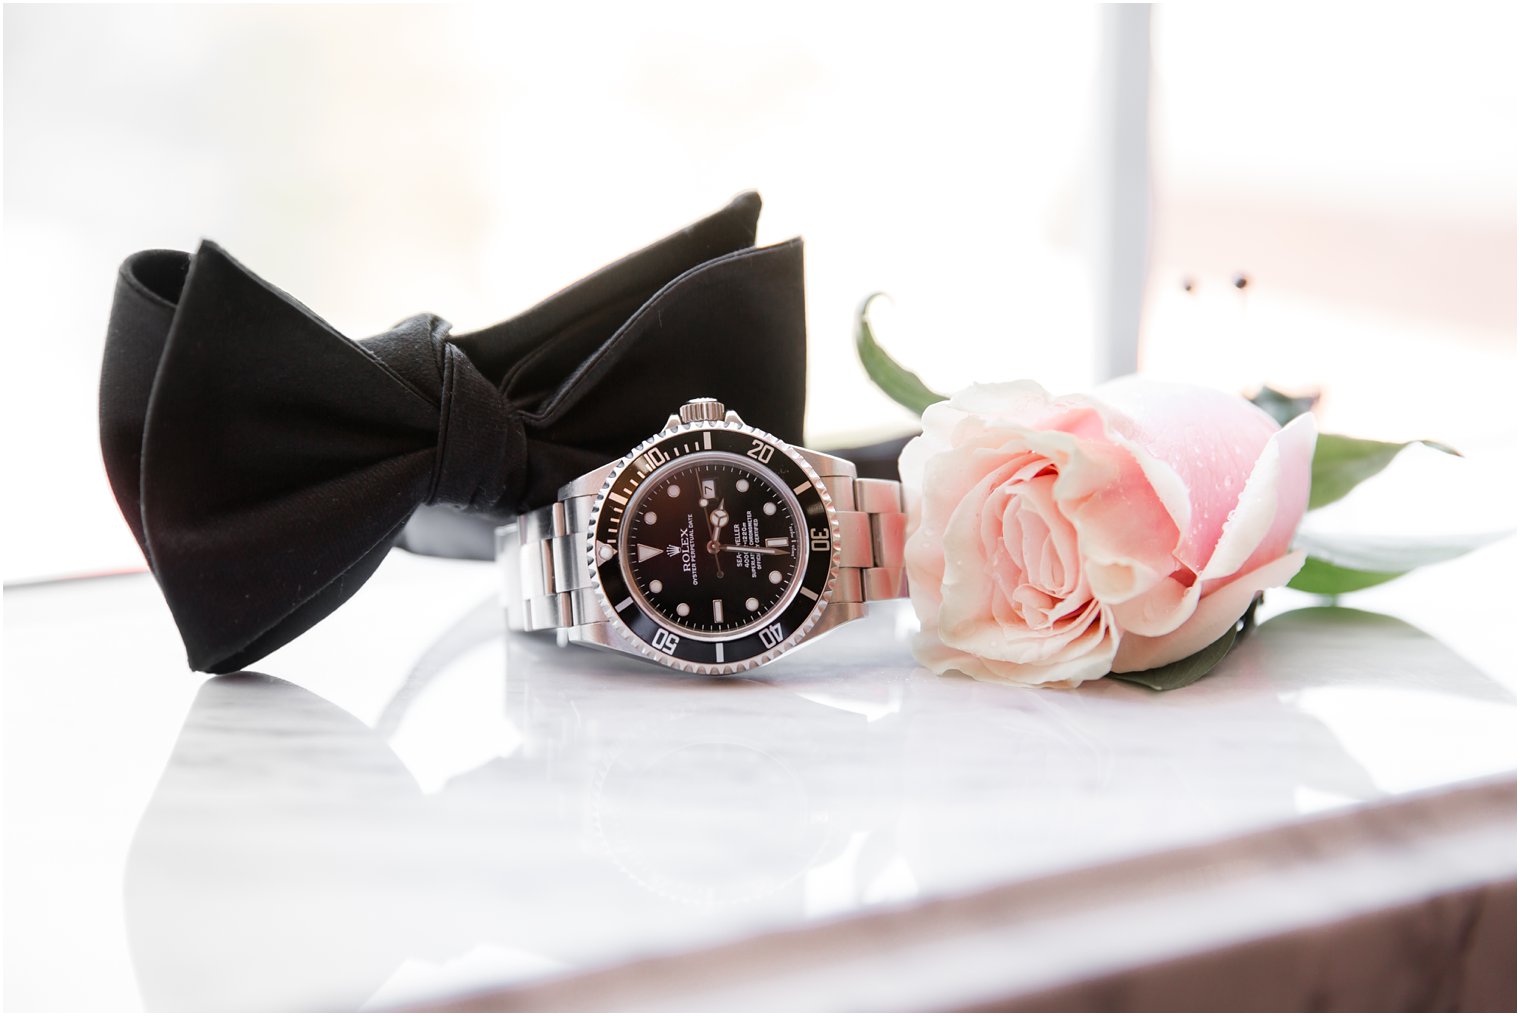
{"x": 1128, "y": 531}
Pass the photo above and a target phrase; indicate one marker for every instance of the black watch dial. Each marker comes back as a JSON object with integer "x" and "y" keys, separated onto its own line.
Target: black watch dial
{"x": 713, "y": 545}
{"x": 714, "y": 548}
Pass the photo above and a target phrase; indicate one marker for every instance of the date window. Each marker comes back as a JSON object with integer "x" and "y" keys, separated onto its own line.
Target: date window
{"x": 709, "y": 489}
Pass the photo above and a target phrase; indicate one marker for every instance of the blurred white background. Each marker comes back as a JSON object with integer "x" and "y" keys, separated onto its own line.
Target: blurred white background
{"x": 1358, "y": 166}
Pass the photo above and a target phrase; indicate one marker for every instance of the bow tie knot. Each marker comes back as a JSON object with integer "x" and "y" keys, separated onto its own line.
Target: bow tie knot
{"x": 266, "y": 463}
{"x": 482, "y": 446}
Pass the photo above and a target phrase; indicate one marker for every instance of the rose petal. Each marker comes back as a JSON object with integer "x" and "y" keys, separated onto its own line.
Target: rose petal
{"x": 1215, "y": 613}
{"x": 1271, "y": 503}
{"x": 1126, "y": 534}
{"x": 1020, "y": 403}
{"x": 1257, "y": 531}
{"x": 1086, "y": 659}
{"x": 968, "y": 580}
{"x": 1211, "y": 440}
{"x": 1159, "y": 610}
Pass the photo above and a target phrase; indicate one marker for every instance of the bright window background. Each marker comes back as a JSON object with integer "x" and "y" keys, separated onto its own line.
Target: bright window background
{"x": 1358, "y": 165}
{"x": 470, "y": 160}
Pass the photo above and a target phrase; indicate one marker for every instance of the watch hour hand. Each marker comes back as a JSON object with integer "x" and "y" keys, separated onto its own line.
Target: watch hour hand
{"x": 715, "y": 522}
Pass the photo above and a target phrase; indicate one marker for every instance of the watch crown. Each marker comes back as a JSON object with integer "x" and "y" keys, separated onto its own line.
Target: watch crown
{"x": 701, "y": 409}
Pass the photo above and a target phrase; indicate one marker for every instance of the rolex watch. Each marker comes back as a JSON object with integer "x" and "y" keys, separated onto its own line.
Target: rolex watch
{"x": 712, "y": 547}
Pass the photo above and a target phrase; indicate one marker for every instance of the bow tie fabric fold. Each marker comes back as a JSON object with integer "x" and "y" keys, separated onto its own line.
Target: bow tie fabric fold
{"x": 266, "y": 463}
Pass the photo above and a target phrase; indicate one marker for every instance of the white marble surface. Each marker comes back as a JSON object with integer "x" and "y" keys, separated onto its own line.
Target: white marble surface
{"x": 407, "y": 806}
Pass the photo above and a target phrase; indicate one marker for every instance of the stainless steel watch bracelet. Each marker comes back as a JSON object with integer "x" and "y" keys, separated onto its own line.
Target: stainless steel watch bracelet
{"x": 551, "y": 586}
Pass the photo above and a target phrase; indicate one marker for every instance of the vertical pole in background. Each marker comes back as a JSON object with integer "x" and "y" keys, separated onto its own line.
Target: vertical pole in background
{"x": 1122, "y": 205}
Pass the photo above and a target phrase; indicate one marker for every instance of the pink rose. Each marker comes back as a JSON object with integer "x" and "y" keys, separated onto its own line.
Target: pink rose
{"x": 1053, "y": 540}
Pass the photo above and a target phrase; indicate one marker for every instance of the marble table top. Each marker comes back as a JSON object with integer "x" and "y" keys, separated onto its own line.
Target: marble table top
{"x": 407, "y": 806}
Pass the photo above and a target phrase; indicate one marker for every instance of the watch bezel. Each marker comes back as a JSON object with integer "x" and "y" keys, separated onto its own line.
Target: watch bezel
{"x": 747, "y": 649}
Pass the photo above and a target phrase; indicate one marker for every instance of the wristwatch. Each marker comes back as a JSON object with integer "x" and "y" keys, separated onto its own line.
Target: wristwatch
{"x": 712, "y": 547}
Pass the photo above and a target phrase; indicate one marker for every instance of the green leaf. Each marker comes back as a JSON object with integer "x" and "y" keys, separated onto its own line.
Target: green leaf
{"x": 1185, "y": 671}
{"x": 901, "y": 385}
{"x": 1281, "y": 406}
{"x": 1340, "y": 463}
{"x": 1320, "y": 576}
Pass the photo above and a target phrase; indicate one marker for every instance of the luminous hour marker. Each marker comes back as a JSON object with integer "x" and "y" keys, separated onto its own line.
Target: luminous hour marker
{"x": 776, "y": 541}
{"x": 656, "y": 586}
{"x": 718, "y": 652}
{"x": 650, "y": 518}
{"x": 682, "y": 609}
{"x": 751, "y": 604}
{"x": 717, "y": 612}
{"x": 674, "y": 490}
{"x": 775, "y": 577}
{"x": 741, "y": 485}
{"x": 646, "y": 552}
{"x": 707, "y": 443}
{"x": 623, "y": 606}
{"x": 769, "y": 509}
{"x": 604, "y": 552}
{"x": 804, "y": 485}
{"x": 809, "y": 593}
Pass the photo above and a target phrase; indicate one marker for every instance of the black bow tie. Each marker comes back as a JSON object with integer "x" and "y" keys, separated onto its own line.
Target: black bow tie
{"x": 266, "y": 463}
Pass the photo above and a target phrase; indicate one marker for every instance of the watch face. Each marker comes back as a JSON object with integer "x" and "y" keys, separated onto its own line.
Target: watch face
{"x": 714, "y": 547}
{"x": 713, "y": 544}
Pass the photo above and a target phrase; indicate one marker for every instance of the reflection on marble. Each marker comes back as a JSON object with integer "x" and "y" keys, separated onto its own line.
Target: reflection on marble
{"x": 520, "y": 810}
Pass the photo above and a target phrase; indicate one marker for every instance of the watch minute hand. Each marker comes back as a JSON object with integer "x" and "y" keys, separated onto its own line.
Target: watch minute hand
{"x": 753, "y": 550}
